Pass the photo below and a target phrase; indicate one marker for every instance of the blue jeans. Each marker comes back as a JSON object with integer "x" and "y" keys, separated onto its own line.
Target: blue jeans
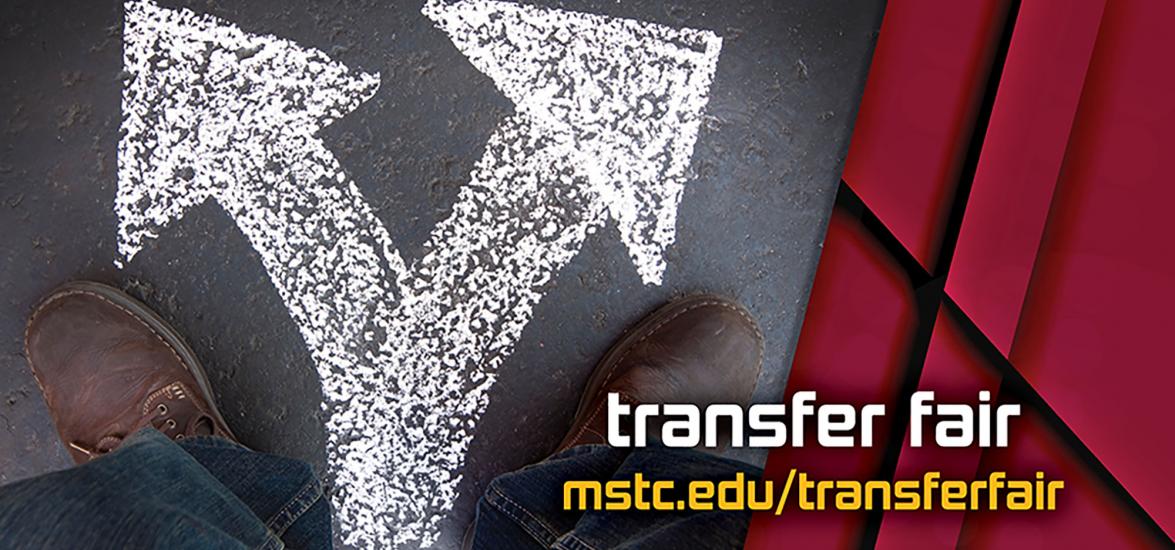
{"x": 524, "y": 509}
{"x": 206, "y": 492}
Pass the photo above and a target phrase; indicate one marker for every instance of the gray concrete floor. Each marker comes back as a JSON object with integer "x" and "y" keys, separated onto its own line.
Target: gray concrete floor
{"x": 750, "y": 223}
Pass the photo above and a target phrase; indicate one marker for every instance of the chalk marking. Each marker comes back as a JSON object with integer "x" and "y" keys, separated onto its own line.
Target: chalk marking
{"x": 607, "y": 114}
{"x": 629, "y": 94}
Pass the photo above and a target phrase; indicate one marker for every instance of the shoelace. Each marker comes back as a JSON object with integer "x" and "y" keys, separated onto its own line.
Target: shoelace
{"x": 110, "y": 442}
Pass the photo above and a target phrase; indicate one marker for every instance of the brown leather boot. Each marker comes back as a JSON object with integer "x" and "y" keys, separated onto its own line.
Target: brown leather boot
{"x": 109, "y": 366}
{"x": 698, "y": 350}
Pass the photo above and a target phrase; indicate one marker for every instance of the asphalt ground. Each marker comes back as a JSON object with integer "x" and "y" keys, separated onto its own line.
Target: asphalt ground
{"x": 764, "y": 174}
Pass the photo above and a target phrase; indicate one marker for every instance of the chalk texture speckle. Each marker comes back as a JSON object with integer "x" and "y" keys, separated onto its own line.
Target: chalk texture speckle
{"x": 607, "y": 115}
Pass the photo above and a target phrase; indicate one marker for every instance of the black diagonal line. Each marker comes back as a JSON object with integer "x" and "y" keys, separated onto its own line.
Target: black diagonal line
{"x": 954, "y": 221}
{"x": 1020, "y": 390}
{"x": 930, "y": 295}
{"x": 927, "y": 299}
{"x": 848, "y": 202}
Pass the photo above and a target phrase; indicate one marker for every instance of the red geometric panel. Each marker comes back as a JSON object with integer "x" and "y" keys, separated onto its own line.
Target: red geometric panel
{"x": 852, "y": 350}
{"x": 1097, "y": 327}
{"x": 1086, "y": 515}
{"x": 956, "y": 374}
{"x": 928, "y": 70}
{"x": 1063, "y": 264}
{"x": 1022, "y": 153}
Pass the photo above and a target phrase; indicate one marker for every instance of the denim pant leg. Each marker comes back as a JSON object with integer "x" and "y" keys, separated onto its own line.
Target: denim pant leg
{"x": 285, "y": 494}
{"x": 524, "y": 509}
{"x": 153, "y": 493}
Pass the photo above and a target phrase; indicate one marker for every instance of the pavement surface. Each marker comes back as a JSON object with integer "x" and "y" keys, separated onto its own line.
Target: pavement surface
{"x": 761, "y": 185}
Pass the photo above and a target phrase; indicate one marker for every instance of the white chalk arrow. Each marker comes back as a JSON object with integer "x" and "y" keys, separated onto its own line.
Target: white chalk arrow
{"x": 625, "y": 96}
{"x": 607, "y": 115}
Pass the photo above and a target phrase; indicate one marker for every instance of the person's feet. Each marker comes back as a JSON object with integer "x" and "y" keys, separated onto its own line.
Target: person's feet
{"x": 698, "y": 350}
{"x": 109, "y": 366}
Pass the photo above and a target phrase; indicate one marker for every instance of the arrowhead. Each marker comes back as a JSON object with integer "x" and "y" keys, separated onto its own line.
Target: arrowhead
{"x": 629, "y": 95}
{"x": 202, "y": 100}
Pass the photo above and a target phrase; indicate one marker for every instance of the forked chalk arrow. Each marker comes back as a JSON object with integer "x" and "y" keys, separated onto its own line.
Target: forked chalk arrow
{"x": 607, "y": 115}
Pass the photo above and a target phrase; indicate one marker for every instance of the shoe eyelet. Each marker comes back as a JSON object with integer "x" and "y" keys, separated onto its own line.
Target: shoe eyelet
{"x": 170, "y": 424}
{"x": 162, "y": 409}
{"x": 179, "y": 437}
